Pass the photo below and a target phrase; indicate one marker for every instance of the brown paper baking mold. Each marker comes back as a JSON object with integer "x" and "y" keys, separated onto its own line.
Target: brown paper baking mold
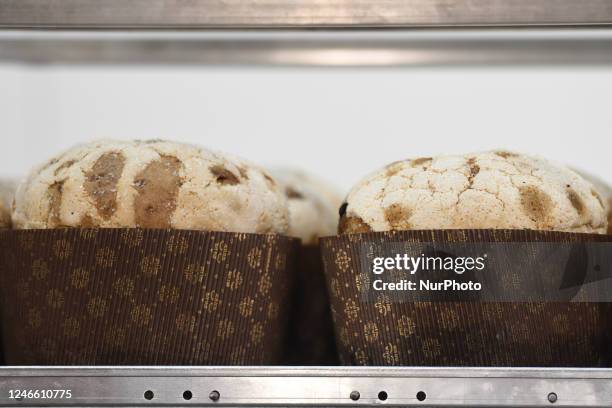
{"x": 2, "y": 263}
{"x": 144, "y": 297}
{"x": 311, "y": 332}
{"x": 458, "y": 333}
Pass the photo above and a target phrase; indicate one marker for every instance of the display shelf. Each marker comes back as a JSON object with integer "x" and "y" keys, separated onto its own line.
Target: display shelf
{"x": 369, "y": 48}
{"x": 317, "y": 386}
{"x": 309, "y": 13}
{"x": 468, "y": 32}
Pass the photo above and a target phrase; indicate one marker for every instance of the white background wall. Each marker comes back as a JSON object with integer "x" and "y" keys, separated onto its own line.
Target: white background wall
{"x": 337, "y": 123}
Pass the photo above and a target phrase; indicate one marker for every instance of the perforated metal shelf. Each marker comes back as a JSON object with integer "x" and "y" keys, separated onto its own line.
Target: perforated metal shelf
{"x": 317, "y": 386}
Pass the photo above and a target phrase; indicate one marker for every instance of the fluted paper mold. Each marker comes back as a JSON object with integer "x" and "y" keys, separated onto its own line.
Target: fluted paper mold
{"x": 144, "y": 297}
{"x": 455, "y": 333}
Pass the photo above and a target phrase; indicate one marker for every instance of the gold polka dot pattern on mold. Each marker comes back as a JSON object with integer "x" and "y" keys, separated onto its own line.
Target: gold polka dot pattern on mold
{"x": 169, "y": 297}
{"x": 62, "y": 249}
{"x": 233, "y": 279}
{"x": 195, "y": 273}
{"x": 105, "y": 257}
{"x": 351, "y": 310}
{"x": 79, "y": 278}
{"x": 383, "y": 304}
{"x": 168, "y": 294}
{"x": 40, "y": 269}
{"x": 225, "y": 330}
{"x": 177, "y": 244}
{"x": 391, "y": 355}
{"x": 342, "y": 260}
{"x": 124, "y": 286}
{"x": 96, "y": 307}
{"x": 220, "y": 251}
{"x": 265, "y": 284}
{"x": 246, "y": 306}
{"x": 379, "y": 330}
{"x": 150, "y": 265}
{"x": 211, "y": 301}
{"x": 55, "y": 298}
{"x": 371, "y": 332}
{"x": 254, "y": 257}
{"x": 406, "y": 326}
{"x": 257, "y": 332}
{"x": 185, "y": 322}
{"x": 142, "y": 315}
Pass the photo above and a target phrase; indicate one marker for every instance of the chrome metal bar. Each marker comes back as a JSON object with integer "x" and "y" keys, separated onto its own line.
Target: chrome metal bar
{"x": 290, "y": 13}
{"x": 338, "y": 48}
{"x": 318, "y": 386}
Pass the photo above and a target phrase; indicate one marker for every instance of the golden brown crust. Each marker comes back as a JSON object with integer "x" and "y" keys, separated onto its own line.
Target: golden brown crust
{"x": 116, "y": 184}
{"x": 495, "y": 189}
{"x": 398, "y": 216}
{"x": 158, "y": 185}
{"x": 55, "y": 202}
{"x": 350, "y": 225}
{"x": 536, "y": 204}
{"x": 101, "y": 182}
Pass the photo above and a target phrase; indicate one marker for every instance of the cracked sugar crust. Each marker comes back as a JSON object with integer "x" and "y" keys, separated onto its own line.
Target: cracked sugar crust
{"x": 150, "y": 184}
{"x": 603, "y": 190}
{"x": 7, "y": 189}
{"x": 313, "y": 205}
{"x": 486, "y": 190}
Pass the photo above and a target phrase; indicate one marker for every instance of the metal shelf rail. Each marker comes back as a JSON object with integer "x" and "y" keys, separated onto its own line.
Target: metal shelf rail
{"x": 308, "y": 13}
{"x": 389, "y": 32}
{"x": 367, "y": 48}
{"x": 300, "y": 386}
